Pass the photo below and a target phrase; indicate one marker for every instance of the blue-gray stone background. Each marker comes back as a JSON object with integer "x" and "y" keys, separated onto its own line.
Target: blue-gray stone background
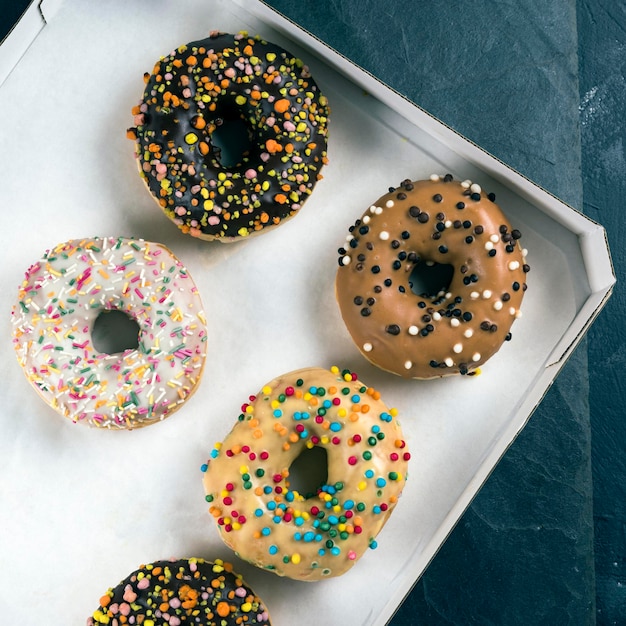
{"x": 541, "y": 85}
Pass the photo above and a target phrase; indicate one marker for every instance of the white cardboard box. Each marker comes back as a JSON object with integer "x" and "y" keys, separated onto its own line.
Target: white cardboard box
{"x": 81, "y": 509}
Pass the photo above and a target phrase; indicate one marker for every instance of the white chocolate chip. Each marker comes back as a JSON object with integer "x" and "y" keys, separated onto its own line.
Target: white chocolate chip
{"x": 476, "y": 357}
{"x": 408, "y": 365}
{"x": 345, "y": 260}
{"x": 378, "y": 210}
{"x": 366, "y": 219}
{"x": 448, "y": 223}
{"x": 434, "y": 177}
{"x": 449, "y": 362}
{"x": 413, "y": 330}
{"x": 454, "y": 322}
{"x": 513, "y": 265}
{"x": 466, "y": 183}
{"x": 495, "y": 238}
{"x": 384, "y": 235}
{"x": 436, "y": 316}
{"x": 474, "y": 295}
{"x": 497, "y": 305}
{"x": 475, "y": 188}
{"x": 489, "y": 245}
{"x": 389, "y": 203}
{"x": 367, "y": 347}
{"x": 468, "y": 333}
{"x": 518, "y": 314}
{"x": 457, "y": 348}
{"x": 487, "y": 294}
{"x": 373, "y": 208}
{"x": 512, "y": 310}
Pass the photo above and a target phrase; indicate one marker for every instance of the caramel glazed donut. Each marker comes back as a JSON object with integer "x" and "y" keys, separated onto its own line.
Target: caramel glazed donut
{"x": 59, "y": 301}
{"x": 190, "y": 94}
{"x": 184, "y": 591}
{"x": 420, "y": 224}
{"x": 268, "y": 522}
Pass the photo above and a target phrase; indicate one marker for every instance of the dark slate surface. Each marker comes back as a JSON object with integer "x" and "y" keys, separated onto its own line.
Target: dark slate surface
{"x": 506, "y": 75}
{"x": 602, "y": 45}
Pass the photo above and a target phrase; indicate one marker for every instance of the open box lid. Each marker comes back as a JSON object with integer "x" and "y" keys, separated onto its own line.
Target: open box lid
{"x": 585, "y": 240}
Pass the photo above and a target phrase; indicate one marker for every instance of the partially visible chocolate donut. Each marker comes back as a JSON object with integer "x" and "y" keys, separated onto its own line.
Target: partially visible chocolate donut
{"x": 259, "y": 88}
{"x": 437, "y": 224}
{"x": 179, "y": 592}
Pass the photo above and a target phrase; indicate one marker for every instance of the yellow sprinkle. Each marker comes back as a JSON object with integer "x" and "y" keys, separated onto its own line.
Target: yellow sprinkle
{"x": 191, "y": 138}
{"x": 270, "y": 56}
{"x": 393, "y": 412}
{"x": 362, "y": 485}
{"x": 295, "y": 558}
{"x": 240, "y": 100}
{"x": 249, "y": 409}
{"x": 334, "y": 369}
{"x": 266, "y": 390}
{"x": 243, "y": 469}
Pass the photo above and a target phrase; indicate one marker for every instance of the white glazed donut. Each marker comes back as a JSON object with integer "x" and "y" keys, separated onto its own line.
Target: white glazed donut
{"x": 59, "y": 301}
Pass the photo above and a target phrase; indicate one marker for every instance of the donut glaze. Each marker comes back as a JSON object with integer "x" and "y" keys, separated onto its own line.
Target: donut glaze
{"x": 263, "y": 518}
{"x": 59, "y": 301}
{"x": 196, "y": 89}
{"x": 458, "y": 328}
{"x": 178, "y": 592}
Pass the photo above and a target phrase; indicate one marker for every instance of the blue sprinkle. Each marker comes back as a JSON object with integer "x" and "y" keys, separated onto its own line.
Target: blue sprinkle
{"x": 348, "y": 504}
{"x": 276, "y": 519}
{"x": 327, "y": 404}
{"x": 273, "y": 549}
{"x": 271, "y": 505}
{"x": 214, "y": 454}
{"x": 355, "y": 398}
{"x": 335, "y": 427}
{"x": 309, "y": 536}
{"x": 289, "y": 496}
{"x": 258, "y": 512}
{"x": 267, "y": 489}
{"x": 376, "y": 428}
{"x": 265, "y": 531}
{"x": 299, "y": 521}
{"x": 333, "y": 519}
{"x": 297, "y": 536}
{"x": 373, "y": 544}
{"x": 376, "y": 509}
{"x": 204, "y": 467}
{"x": 278, "y": 413}
{"x": 321, "y": 552}
{"x": 381, "y": 482}
{"x": 335, "y": 550}
{"x": 369, "y": 473}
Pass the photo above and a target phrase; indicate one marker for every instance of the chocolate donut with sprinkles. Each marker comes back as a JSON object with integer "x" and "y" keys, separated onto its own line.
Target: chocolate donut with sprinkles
{"x": 61, "y": 299}
{"x": 259, "y": 512}
{"x": 431, "y": 279}
{"x": 271, "y": 104}
{"x": 179, "y": 592}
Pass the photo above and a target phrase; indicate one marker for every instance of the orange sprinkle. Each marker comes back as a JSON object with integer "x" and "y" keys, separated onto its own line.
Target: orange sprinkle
{"x": 281, "y": 198}
{"x": 280, "y": 106}
{"x": 204, "y": 148}
{"x": 272, "y": 146}
{"x": 222, "y": 608}
{"x": 105, "y": 600}
{"x": 191, "y": 60}
{"x": 248, "y": 51}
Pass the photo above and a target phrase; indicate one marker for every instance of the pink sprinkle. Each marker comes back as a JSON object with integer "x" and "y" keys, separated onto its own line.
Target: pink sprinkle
{"x": 250, "y": 174}
{"x": 213, "y": 220}
{"x": 129, "y": 594}
{"x": 241, "y": 592}
{"x": 352, "y": 555}
{"x": 144, "y": 583}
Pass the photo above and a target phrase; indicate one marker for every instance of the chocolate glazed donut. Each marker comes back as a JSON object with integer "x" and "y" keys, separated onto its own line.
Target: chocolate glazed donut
{"x": 273, "y": 107}
{"x": 437, "y": 224}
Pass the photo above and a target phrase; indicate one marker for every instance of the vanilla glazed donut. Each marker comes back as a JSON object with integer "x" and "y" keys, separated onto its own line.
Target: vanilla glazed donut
{"x": 59, "y": 301}
{"x": 263, "y": 518}
{"x": 190, "y": 94}
{"x": 179, "y": 592}
{"x": 431, "y": 224}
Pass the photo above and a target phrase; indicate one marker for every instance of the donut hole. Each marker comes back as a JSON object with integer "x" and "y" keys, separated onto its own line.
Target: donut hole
{"x": 309, "y": 471}
{"x": 428, "y": 278}
{"x": 231, "y": 141}
{"x": 114, "y": 331}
